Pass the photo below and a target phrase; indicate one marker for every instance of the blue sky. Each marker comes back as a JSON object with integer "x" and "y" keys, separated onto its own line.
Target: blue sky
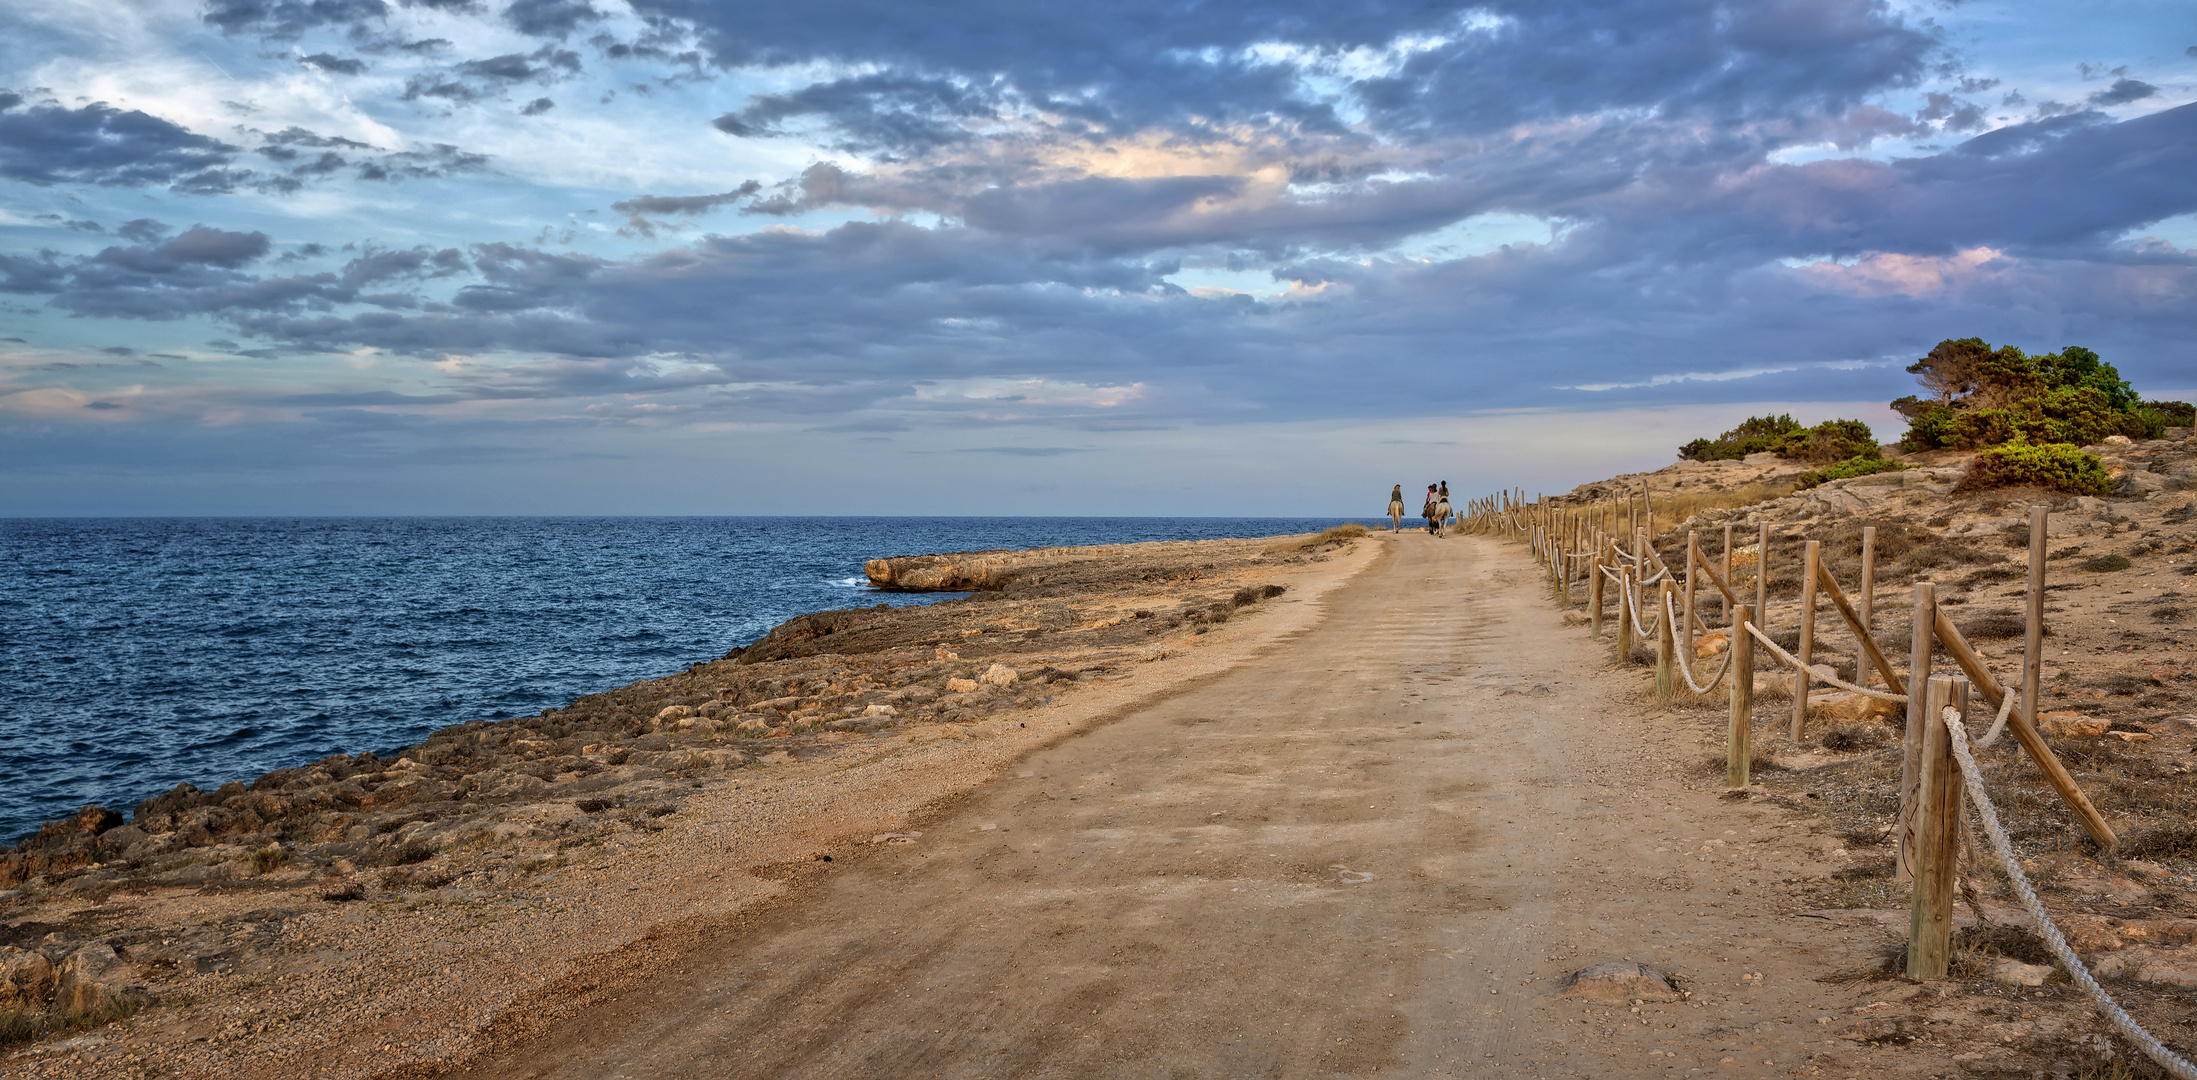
{"x": 589, "y": 256}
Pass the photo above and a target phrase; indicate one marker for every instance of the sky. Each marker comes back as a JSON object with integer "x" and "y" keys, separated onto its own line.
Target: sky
{"x": 991, "y": 257}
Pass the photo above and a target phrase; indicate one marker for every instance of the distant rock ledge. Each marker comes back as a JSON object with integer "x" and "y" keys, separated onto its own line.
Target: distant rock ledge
{"x": 978, "y": 571}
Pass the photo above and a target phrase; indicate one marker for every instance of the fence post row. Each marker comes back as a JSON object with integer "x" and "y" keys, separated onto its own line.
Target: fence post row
{"x": 1556, "y": 535}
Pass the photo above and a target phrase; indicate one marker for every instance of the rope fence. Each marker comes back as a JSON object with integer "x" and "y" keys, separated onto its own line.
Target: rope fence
{"x": 1988, "y": 814}
{"x": 1940, "y": 776}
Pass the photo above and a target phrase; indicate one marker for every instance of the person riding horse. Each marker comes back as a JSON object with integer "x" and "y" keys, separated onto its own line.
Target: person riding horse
{"x": 1396, "y": 508}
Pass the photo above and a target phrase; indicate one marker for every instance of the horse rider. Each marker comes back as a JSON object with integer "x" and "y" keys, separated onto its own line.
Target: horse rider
{"x": 1396, "y": 508}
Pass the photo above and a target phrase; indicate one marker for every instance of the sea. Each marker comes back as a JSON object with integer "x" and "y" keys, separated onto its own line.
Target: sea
{"x": 138, "y": 653}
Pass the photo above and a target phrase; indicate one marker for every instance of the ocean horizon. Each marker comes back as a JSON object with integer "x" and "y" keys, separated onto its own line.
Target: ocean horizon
{"x": 149, "y": 651}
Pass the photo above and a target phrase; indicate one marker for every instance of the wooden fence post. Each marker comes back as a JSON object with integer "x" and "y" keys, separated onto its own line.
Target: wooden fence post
{"x": 1803, "y": 677}
{"x": 1920, "y": 647}
{"x": 1594, "y": 596}
{"x": 2033, "y": 642}
{"x": 1666, "y": 646}
{"x": 1737, "y": 752}
{"x": 1693, "y": 560}
{"x": 1624, "y": 615}
{"x": 1762, "y": 576}
{"x": 1937, "y": 833}
{"x": 1868, "y": 598}
{"x": 1724, "y": 605}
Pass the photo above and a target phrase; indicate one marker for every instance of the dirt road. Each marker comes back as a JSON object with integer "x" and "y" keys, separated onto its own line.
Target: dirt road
{"x": 1373, "y": 849}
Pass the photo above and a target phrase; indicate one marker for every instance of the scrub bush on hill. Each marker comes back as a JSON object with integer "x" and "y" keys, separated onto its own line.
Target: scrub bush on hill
{"x": 1980, "y": 395}
{"x": 1851, "y": 467}
{"x": 2059, "y": 466}
{"x": 1829, "y": 441}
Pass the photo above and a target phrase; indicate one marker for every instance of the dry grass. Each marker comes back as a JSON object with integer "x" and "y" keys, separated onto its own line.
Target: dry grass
{"x": 18, "y": 1026}
{"x": 1335, "y": 537}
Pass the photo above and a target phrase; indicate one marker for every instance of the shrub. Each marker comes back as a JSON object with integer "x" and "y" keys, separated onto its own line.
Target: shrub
{"x": 2161, "y": 415}
{"x": 2059, "y": 466}
{"x": 1834, "y": 440}
{"x": 1984, "y": 396}
{"x": 2106, "y": 563}
{"x": 1753, "y": 436}
{"x": 1847, "y": 469}
{"x": 1831, "y": 440}
{"x": 268, "y": 858}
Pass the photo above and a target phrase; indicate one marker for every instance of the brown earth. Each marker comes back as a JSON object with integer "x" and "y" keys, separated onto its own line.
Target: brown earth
{"x": 352, "y": 915}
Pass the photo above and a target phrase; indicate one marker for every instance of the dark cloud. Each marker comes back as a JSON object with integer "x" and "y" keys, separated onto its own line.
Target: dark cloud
{"x": 892, "y": 112}
{"x": 1951, "y": 113}
{"x": 550, "y": 18}
{"x": 333, "y": 64}
{"x": 1475, "y": 68}
{"x": 46, "y": 144}
{"x": 284, "y": 20}
{"x": 640, "y": 209}
{"x": 42, "y": 273}
{"x": 2123, "y": 91}
{"x": 474, "y": 80}
{"x": 142, "y": 230}
{"x": 537, "y": 107}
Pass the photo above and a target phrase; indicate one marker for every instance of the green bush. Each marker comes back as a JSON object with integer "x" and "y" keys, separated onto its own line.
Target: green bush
{"x": 1858, "y": 465}
{"x": 1753, "y": 436}
{"x": 2161, "y": 415}
{"x": 2059, "y": 466}
{"x": 1985, "y": 396}
{"x": 1831, "y": 440}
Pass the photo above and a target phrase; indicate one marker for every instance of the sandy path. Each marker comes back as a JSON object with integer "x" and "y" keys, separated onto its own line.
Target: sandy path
{"x": 1371, "y": 849}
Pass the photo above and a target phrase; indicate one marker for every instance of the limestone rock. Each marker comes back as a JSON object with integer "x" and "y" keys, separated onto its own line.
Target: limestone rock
{"x": 26, "y": 978}
{"x": 2068, "y": 724}
{"x": 87, "y": 977}
{"x": 881, "y": 710}
{"x": 1617, "y": 984}
{"x": 1711, "y": 645}
{"x": 2087, "y": 934}
{"x": 997, "y": 675}
{"x": 2159, "y": 967}
{"x": 1845, "y": 706}
{"x": 1779, "y": 683}
{"x": 961, "y": 686}
{"x": 2015, "y": 973}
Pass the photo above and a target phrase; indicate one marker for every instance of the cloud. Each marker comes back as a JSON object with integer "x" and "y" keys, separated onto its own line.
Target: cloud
{"x": 333, "y": 64}
{"x": 537, "y": 107}
{"x": 283, "y": 20}
{"x": 2124, "y": 91}
{"x": 550, "y": 18}
{"x": 46, "y": 143}
{"x": 638, "y": 210}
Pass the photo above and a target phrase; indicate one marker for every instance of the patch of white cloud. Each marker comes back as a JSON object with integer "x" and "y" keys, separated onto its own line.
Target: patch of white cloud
{"x": 1480, "y": 234}
{"x": 1733, "y": 375}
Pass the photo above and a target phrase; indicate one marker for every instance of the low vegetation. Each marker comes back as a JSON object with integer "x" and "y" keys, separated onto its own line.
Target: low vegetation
{"x": 2057, "y": 466}
{"x": 1983, "y": 396}
{"x": 1829, "y": 441}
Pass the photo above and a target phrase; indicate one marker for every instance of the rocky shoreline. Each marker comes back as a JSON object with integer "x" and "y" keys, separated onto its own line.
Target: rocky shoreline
{"x": 154, "y": 919}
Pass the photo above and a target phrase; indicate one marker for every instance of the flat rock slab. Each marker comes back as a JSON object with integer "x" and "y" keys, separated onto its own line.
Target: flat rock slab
{"x": 1619, "y": 984}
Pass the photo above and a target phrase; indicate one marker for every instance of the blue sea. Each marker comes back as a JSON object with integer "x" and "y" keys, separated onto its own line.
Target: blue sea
{"x": 141, "y": 652}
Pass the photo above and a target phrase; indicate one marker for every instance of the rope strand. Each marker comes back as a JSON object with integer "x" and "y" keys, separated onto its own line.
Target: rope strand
{"x": 1989, "y": 814}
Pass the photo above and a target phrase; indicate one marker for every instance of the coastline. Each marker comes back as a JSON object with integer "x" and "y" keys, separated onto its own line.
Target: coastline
{"x": 562, "y": 869}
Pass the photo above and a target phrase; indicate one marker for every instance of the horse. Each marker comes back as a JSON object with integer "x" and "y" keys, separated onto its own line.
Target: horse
{"x": 1442, "y": 514}
{"x": 1396, "y": 514}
